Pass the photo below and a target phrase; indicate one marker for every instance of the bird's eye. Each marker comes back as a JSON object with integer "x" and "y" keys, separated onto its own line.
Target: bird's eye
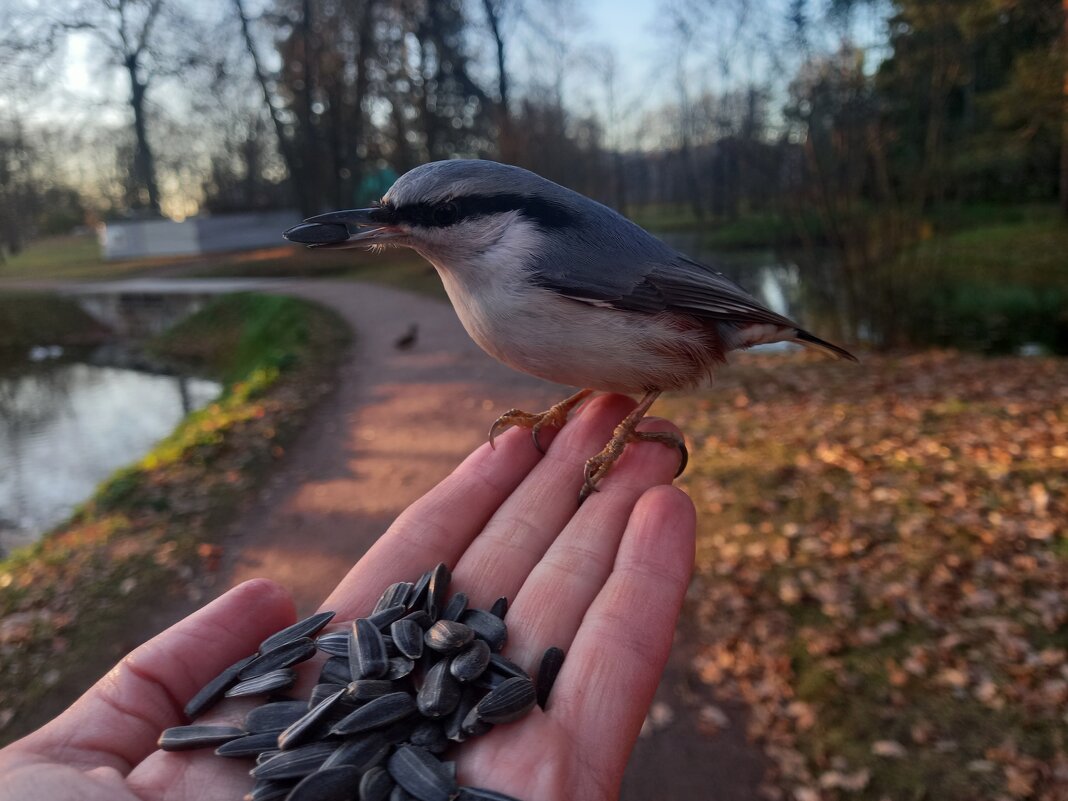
{"x": 445, "y": 214}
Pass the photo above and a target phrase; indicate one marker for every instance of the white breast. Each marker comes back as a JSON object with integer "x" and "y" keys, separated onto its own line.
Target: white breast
{"x": 538, "y": 331}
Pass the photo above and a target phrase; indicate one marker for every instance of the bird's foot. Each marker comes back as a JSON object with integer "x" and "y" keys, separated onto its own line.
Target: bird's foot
{"x": 597, "y": 466}
{"x": 555, "y": 416}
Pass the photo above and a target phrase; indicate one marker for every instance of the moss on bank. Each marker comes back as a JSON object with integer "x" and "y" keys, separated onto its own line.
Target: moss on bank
{"x": 151, "y": 528}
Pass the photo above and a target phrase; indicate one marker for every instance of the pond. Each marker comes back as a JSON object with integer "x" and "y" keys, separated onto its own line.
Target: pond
{"x": 70, "y": 417}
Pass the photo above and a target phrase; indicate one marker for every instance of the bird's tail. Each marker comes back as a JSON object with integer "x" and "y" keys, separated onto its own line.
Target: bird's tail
{"x": 806, "y": 339}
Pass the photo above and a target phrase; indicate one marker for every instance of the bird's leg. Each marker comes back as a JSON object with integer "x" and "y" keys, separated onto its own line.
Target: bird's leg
{"x": 555, "y": 416}
{"x": 625, "y": 432}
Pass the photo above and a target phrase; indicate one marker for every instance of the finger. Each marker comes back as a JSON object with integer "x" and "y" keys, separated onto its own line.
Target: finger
{"x": 612, "y": 670}
{"x": 117, "y": 722}
{"x": 440, "y": 525}
{"x": 560, "y": 588}
{"x": 516, "y": 538}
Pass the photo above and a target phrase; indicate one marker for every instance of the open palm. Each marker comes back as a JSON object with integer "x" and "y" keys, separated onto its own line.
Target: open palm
{"x": 604, "y": 582}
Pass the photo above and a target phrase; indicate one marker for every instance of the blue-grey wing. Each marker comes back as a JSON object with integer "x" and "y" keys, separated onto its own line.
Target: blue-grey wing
{"x": 623, "y": 267}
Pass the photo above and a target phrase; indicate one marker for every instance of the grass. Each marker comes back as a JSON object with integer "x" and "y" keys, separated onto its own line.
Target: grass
{"x": 28, "y": 319}
{"x": 152, "y": 526}
{"x": 880, "y": 569}
{"x": 77, "y": 258}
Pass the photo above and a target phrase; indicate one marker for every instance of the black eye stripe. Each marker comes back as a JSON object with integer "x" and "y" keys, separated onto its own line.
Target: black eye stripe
{"x": 545, "y": 213}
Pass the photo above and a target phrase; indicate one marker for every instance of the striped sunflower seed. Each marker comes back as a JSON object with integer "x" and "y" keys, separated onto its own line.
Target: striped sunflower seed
{"x": 367, "y": 651}
{"x": 213, "y": 691}
{"x": 440, "y": 692}
{"x": 417, "y": 597}
{"x": 366, "y": 689}
{"x": 408, "y": 637}
{"x": 363, "y": 751}
{"x": 295, "y": 764}
{"x": 399, "y": 667}
{"x": 393, "y": 595}
{"x": 456, "y": 606}
{"x": 376, "y": 713}
{"x": 274, "y": 717}
{"x": 420, "y": 617}
{"x": 470, "y": 663}
{"x": 507, "y": 702}
{"x": 335, "y": 643}
{"x": 308, "y": 627}
{"x": 327, "y": 784}
{"x": 185, "y": 738}
{"x": 437, "y": 588}
{"x": 312, "y": 725}
{"x": 285, "y": 655}
{"x": 275, "y": 680}
{"x": 499, "y": 608}
{"x": 486, "y": 627}
{"x": 320, "y": 692}
{"x": 448, "y": 636}
{"x": 376, "y": 785}
{"x": 421, "y": 774}
{"x": 251, "y": 745}
{"x": 384, "y": 617}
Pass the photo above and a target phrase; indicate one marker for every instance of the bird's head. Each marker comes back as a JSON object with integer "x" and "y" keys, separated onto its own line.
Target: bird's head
{"x": 457, "y": 214}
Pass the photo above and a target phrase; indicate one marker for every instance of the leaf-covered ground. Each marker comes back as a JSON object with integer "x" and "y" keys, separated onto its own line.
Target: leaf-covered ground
{"x": 883, "y": 571}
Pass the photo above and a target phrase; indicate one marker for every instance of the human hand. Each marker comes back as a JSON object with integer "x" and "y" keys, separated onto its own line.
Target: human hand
{"x": 604, "y": 582}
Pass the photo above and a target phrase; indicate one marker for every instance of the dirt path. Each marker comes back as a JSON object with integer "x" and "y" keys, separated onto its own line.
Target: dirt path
{"x": 375, "y": 445}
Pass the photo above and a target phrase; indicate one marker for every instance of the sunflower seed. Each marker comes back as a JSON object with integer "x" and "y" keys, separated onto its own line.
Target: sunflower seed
{"x": 274, "y": 717}
{"x": 335, "y": 670}
{"x": 421, "y": 618}
{"x": 275, "y": 680}
{"x": 294, "y": 764}
{"x": 362, "y": 752}
{"x": 367, "y": 651}
{"x": 486, "y": 627}
{"x": 430, "y": 735}
{"x": 312, "y": 725}
{"x": 185, "y": 738}
{"x": 263, "y": 756}
{"x": 448, "y": 636}
{"x": 454, "y": 723}
{"x": 210, "y": 693}
{"x": 421, "y": 774}
{"x": 440, "y": 577}
{"x": 440, "y": 692}
{"x": 478, "y": 794}
{"x": 308, "y": 627}
{"x": 399, "y": 667}
{"x": 366, "y": 689}
{"x": 469, "y": 664}
{"x": 327, "y": 784}
{"x": 320, "y": 692}
{"x": 376, "y": 785}
{"x": 417, "y": 596}
{"x": 506, "y": 667}
{"x": 474, "y": 726}
{"x": 376, "y": 713}
{"x": 394, "y": 594}
{"x": 507, "y": 702}
{"x": 250, "y": 745}
{"x": 382, "y": 618}
{"x": 456, "y": 606}
{"x": 499, "y": 608}
{"x": 551, "y": 662}
{"x": 408, "y": 637}
{"x": 336, "y": 643}
{"x": 265, "y": 790}
{"x": 285, "y": 655}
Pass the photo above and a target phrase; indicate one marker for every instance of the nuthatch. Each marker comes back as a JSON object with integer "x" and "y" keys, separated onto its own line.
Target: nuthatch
{"x": 559, "y": 286}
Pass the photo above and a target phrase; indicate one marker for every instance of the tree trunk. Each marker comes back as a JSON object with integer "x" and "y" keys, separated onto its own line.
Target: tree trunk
{"x": 506, "y": 142}
{"x": 285, "y": 147}
{"x": 1064, "y": 110}
{"x": 144, "y": 165}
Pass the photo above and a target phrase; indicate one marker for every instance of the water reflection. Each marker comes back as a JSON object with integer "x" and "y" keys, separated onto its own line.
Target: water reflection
{"x": 67, "y": 423}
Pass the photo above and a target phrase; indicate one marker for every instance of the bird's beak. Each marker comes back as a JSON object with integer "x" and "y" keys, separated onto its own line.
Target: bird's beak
{"x": 331, "y": 230}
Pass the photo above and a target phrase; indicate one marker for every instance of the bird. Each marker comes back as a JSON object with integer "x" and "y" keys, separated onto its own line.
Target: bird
{"x": 557, "y": 285}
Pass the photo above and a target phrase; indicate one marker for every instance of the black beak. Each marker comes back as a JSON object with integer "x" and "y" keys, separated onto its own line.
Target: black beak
{"x": 330, "y": 230}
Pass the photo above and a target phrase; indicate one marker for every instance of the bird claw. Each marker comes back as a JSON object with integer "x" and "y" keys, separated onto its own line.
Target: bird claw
{"x": 598, "y": 465}
{"x": 555, "y": 416}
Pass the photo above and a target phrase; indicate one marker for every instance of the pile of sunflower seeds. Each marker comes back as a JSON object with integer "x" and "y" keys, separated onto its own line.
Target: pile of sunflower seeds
{"x": 418, "y": 675}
